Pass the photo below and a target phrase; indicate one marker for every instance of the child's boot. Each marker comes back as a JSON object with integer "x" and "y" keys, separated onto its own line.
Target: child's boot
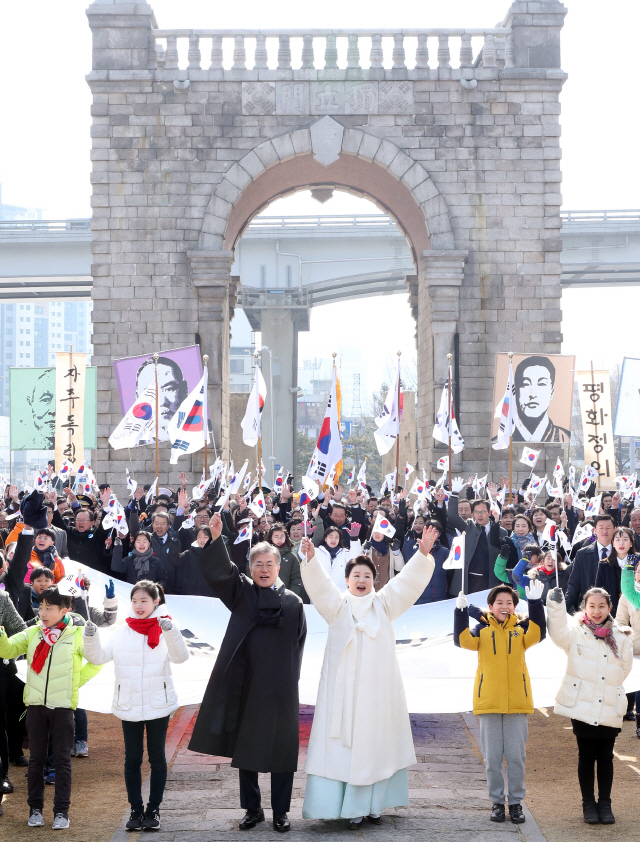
{"x": 497, "y": 813}
{"x": 590, "y": 811}
{"x": 604, "y": 811}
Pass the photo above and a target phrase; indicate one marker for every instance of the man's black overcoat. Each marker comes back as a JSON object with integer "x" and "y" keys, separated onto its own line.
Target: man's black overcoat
{"x": 250, "y": 708}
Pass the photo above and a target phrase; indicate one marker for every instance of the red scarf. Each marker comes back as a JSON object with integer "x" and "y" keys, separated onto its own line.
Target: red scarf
{"x": 49, "y": 637}
{"x": 149, "y": 626}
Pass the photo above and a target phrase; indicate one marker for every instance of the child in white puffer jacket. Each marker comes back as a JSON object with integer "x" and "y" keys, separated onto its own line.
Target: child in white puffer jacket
{"x": 144, "y": 696}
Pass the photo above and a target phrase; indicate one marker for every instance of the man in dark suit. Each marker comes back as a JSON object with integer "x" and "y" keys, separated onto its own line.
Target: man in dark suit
{"x": 483, "y": 539}
{"x": 250, "y": 708}
{"x": 585, "y": 566}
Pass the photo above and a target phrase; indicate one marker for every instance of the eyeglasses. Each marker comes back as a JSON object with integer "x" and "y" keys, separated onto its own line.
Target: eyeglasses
{"x": 264, "y": 565}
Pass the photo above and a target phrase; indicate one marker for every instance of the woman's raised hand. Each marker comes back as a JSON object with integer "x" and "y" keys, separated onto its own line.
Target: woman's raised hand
{"x": 307, "y": 549}
{"x": 428, "y": 539}
{"x": 215, "y": 525}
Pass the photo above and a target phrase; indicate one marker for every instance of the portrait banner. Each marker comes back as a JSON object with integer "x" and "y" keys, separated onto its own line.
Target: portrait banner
{"x": 32, "y": 399}
{"x": 71, "y": 381}
{"x": 543, "y": 385}
{"x": 627, "y": 420}
{"x": 179, "y": 372}
{"x": 594, "y": 389}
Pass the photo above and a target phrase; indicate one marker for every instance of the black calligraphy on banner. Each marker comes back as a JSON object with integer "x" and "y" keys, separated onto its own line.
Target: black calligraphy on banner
{"x": 70, "y": 396}
{"x": 597, "y": 425}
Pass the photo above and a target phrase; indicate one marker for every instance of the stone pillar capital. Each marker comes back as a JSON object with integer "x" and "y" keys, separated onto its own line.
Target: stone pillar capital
{"x": 443, "y": 267}
{"x": 122, "y": 39}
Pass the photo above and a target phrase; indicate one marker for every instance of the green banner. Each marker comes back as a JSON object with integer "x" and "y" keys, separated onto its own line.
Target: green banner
{"x": 32, "y": 408}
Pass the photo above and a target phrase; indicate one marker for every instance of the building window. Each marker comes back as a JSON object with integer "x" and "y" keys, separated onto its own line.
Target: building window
{"x": 39, "y": 310}
{"x": 237, "y": 366}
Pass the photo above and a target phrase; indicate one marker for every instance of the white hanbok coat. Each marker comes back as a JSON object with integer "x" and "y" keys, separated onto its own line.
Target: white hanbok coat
{"x": 361, "y": 732}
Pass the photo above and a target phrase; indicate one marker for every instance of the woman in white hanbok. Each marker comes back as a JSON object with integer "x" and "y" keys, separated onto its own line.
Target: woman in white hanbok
{"x": 361, "y": 744}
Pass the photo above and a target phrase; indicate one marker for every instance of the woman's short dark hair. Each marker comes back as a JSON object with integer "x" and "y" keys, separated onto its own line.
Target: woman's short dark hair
{"x": 293, "y": 522}
{"x": 279, "y": 527}
{"x": 203, "y": 529}
{"x": 494, "y": 592}
{"x": 523, "y": 517}
{"x": 37, "y": 572}
{"x": 363, "y": 560}
{"x": 153, "y": 589}
{"x": 46, "y": 531}
{"x": 339, "y": 532}
{"x": 144, "y": 534}
{"x": 52, "y": 596}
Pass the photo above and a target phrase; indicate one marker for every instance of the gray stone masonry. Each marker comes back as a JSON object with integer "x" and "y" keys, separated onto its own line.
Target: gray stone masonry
{"x": 467, "y": 159}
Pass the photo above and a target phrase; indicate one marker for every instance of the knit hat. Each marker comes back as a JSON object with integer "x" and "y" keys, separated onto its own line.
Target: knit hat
{"x": 33, "y": 510}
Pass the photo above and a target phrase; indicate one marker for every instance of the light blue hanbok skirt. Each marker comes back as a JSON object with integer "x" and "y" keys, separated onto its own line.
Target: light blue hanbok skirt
{"x": 328, "y": 799}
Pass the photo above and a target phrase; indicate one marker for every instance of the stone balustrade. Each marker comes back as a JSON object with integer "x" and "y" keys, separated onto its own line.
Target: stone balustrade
{"x": 358, "y": 53}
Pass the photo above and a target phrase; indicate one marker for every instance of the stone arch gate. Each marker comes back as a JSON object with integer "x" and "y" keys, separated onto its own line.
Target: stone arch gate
{"x": 460, "y": 144}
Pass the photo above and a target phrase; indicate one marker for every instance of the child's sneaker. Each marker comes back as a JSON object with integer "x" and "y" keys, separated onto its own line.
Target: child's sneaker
{"x": 515, "y": 813}
{"x": 497, "y": 813}
{"x": 151, "y": 819}
{"x": 36, "y": 819}
{"x": 135, "y": 820}
{"x": 60, "y": 822}
{"x": 82, "y": 749}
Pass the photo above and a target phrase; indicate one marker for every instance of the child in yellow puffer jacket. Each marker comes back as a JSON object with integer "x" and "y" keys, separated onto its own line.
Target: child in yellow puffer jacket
{"x": 502, "y": 691}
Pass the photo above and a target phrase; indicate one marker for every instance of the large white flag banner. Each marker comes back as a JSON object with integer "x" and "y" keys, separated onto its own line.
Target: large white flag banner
{"x": 328, "y": 450}
{"x": 507, "y": 414}
{"x": 139, "y": 420}
{"x": 446, "y": 425}
{"x": 388, "y": 422}
{"x": 188, "y": 429}
{"x": 437, "y": 676}
{"x": 252, "y": 418}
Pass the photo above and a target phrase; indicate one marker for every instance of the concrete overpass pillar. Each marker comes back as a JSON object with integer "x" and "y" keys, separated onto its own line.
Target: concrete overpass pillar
{"x": 279, "y": 329}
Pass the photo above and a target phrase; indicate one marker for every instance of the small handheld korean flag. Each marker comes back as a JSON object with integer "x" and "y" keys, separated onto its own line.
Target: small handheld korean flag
{"x": 70, "y": 586}
{"x": 558, "y": 471}
{"x": 65, "y": 469}
{"x": 408, "y": 470}
{"x": 383, "y": 526}
{"x": 530, "y": 457}
{"x": 582, "y": 532}
{"x": 418, "y": 487}
{"x": 279, "y": 481}
{"x": 593, "y": 508}
{"x": 258, "y": 507}
{"x": 244, "y": 534}
{"x": 151, "y": 493}
{"x": 131, "y": 484}
{"x": 443, "y": 463}
{"x": 310, "y": 491}
{"x": 190, "y": 521}
{"x": 455, "y": 559}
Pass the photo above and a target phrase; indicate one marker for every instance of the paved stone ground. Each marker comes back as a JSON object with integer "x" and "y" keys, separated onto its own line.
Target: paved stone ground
{"x": 447, "y": 788}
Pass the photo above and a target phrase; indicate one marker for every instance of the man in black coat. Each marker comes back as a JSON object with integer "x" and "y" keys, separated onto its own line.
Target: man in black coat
{"x": 85, "y": 540}
{"x": 585, "y": 565}
{"x": 250, "y": 710}
{"x": 483, "y": 540}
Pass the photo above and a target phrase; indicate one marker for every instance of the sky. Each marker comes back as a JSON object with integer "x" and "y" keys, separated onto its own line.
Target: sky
{"x": 45, "y": 121}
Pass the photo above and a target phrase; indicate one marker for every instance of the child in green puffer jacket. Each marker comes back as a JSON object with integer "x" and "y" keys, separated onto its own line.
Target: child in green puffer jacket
{"x": 55, "y": 652}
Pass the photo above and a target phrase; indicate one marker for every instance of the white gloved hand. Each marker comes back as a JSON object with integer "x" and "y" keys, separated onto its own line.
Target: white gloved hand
{"x": 90, "y": 629}
{"x": 165, "y": 623}
{"x": 461, "y": 601}
{"x": 534, "y": 590}
{"x": 457, "y": 484}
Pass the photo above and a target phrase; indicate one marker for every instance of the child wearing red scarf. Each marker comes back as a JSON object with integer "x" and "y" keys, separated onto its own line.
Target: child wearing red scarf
{"x": 50, "y": 703}
{"x": 143, "y": 697}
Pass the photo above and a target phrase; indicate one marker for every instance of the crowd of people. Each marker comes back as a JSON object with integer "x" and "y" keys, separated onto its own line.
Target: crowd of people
{"x": 265, "y": 567}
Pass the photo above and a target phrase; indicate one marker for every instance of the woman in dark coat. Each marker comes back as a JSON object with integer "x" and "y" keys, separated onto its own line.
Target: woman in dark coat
{"x": 189, "y": 578}
{"x": 141, "y": 563}
{"x": 250, "y": 708}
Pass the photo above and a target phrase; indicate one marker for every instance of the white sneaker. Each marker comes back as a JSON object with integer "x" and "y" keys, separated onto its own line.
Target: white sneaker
{"x": 82, "y": 749}
{"x": 36, "y": 819}
{"x": 61, "y": 822}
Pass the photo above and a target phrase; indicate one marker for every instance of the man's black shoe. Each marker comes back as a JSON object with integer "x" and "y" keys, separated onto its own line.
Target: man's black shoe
{"x": 7, "y": 786}
{"x": 251, "y": 819}
{"x": 20, "y": 761}
{"x": 497, "y": 813}
{"x": 151, "y": 819}
{"x": 629, "y": 717}
{"x": 135, "y": 820}
{"x": 281, "y": 823}
{"x": 515, "y": 813}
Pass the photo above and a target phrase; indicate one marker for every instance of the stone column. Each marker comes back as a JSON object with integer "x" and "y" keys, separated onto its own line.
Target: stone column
{"x": 217, "y": 291}
{"x": 121, "y": 32}
{"x": 536, "y": 33}
{"x": 441, "y": 275}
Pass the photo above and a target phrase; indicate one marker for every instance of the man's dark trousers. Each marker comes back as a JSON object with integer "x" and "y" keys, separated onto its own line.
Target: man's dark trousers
{"x": 281, "y": 787}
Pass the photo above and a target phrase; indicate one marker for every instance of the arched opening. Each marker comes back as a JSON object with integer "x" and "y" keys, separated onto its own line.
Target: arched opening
{"x": 322, "y": 271}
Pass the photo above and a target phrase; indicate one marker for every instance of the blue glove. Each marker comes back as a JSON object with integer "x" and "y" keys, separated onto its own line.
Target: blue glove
{"x": 475, "y": 612}
{"x": 110, "y": 589}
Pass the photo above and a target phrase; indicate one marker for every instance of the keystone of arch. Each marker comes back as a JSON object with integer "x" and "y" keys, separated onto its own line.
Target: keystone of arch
{"x": 326, "y": 140}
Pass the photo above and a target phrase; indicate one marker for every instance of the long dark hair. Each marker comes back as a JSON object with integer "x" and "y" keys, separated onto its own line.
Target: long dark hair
{"x": 329, "y": 531}
{"x": 279, "y": 527}
{"x": 613, "y": 555}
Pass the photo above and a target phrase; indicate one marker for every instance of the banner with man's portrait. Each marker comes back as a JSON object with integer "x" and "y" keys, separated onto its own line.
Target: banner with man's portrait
{"x": 544, "y": 396}
{"x": 32, "y": 408}
{"x": 179, "y": 372}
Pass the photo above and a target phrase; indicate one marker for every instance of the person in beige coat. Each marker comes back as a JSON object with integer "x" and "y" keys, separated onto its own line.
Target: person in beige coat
{"x": 599, "y": 658}
{"x": 361, "y": 744}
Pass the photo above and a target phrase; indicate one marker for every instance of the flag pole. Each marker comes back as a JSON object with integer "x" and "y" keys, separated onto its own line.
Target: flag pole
{"x": 155, "y": 365}
{"x": 255, "y": 356}
{"x": 510, "y": 451}
{"x": 393, "y": 492}
{"x": 205, "y": 421}
{"x": 449, "y": 358}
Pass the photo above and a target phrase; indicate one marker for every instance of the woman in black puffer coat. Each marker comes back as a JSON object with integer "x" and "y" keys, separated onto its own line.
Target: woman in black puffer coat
{"x": 189, "y": 578}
